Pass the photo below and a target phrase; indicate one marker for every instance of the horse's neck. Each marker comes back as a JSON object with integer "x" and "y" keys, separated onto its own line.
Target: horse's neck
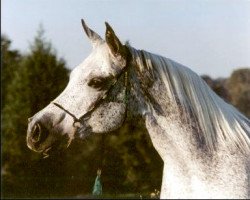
{"x": 190, "y": 169}
{"x": 171, "y": 139}
{"x": 190, "y": 172}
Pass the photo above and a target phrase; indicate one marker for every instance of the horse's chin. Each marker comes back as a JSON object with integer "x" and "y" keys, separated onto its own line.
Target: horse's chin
{"x": 51, "y": 148}
{"x": 53, "y": 145}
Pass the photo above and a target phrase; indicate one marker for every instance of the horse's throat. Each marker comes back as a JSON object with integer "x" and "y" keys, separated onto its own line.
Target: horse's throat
{"x": 169, "y": 138}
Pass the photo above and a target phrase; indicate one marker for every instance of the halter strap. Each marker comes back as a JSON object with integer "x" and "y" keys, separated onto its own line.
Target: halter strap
{"x": 99, "y": 101}
{"x": 92, "y": 108}
{"x": 69, "y": 113}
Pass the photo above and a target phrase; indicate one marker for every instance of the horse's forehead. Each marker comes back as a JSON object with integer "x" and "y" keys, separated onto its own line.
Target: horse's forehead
{"x": 97, "y": 62}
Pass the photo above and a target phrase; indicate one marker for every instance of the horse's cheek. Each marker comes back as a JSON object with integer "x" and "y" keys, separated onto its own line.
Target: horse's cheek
{"x": 107, "y": 117}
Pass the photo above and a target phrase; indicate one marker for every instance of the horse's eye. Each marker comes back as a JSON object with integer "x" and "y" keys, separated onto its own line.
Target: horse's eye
{"x": 99, "y": 83}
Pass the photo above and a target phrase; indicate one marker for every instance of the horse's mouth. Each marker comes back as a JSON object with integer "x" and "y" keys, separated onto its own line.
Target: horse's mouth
{"x": 47, "y": 141}
{"x": 58, "y": 145}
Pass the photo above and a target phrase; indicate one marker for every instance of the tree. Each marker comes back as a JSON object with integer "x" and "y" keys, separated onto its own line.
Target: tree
{"x": 31, "y": 82}
{"x": 10, "y": 62}
{"x": 46, "y": 73}
{"x": 238, "y": 86}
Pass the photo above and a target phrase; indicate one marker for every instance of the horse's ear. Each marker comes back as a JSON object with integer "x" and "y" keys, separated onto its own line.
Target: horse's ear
{"x": 117, "y": 49}
{"x": 93, "y": 36}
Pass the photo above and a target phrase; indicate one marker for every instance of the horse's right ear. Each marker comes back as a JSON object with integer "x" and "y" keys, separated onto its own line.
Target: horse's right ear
{"x": 93, "y": 36}
{"x": 116, "y": 48}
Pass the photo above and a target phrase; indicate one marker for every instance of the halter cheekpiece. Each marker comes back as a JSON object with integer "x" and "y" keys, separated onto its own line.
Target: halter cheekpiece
{"x": 125, "y": 71}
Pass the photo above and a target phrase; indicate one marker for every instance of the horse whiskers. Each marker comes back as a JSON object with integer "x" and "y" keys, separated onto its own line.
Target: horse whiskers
{"x": 69, "y": 142}
{"x": 72, "y": 136}
{"x": 45, "y": 153}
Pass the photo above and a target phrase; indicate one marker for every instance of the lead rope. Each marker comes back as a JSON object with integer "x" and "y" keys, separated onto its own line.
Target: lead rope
{"x": 126, "y": 84}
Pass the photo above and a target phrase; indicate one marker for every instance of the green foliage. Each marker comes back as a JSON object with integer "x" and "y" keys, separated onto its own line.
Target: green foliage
{"x": 29, "y": 83}
{"x": 234, "y": 90}
{"x": 140, "y": 163}
{"x": 239, "y": 88}
{"x": 46, "y": 74}
{"x": 10, "y": 62}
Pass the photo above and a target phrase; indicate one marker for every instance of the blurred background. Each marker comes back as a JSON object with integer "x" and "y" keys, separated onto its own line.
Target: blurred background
{"x": 41, "y": 41}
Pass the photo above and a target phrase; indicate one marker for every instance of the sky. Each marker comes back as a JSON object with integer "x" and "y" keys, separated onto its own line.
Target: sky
{"x": 209, "y": 36}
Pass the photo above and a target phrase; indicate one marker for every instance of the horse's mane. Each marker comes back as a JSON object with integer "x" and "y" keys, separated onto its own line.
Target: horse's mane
{"x": 216, "y": 119}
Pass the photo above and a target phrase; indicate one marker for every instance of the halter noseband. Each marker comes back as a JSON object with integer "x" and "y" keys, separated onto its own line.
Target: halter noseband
{"x": 100, "y": 99}
{"x": 69, "y": 113}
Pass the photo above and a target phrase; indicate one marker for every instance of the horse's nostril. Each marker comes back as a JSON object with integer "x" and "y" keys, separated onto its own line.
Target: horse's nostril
{"x": 36, "y": 133}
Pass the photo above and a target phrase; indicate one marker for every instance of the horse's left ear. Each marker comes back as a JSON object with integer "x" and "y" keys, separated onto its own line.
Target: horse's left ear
{"x": 93, "y": 36}
{"x": 117, "y": 49}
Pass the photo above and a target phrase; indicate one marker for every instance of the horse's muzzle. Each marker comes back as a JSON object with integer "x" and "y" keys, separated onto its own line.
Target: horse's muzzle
{"x": 45, "y": 134}
{"x": 36, "y": 135}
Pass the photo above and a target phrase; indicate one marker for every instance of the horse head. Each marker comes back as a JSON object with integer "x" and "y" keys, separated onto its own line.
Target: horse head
{"x": 94, "y": 101}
